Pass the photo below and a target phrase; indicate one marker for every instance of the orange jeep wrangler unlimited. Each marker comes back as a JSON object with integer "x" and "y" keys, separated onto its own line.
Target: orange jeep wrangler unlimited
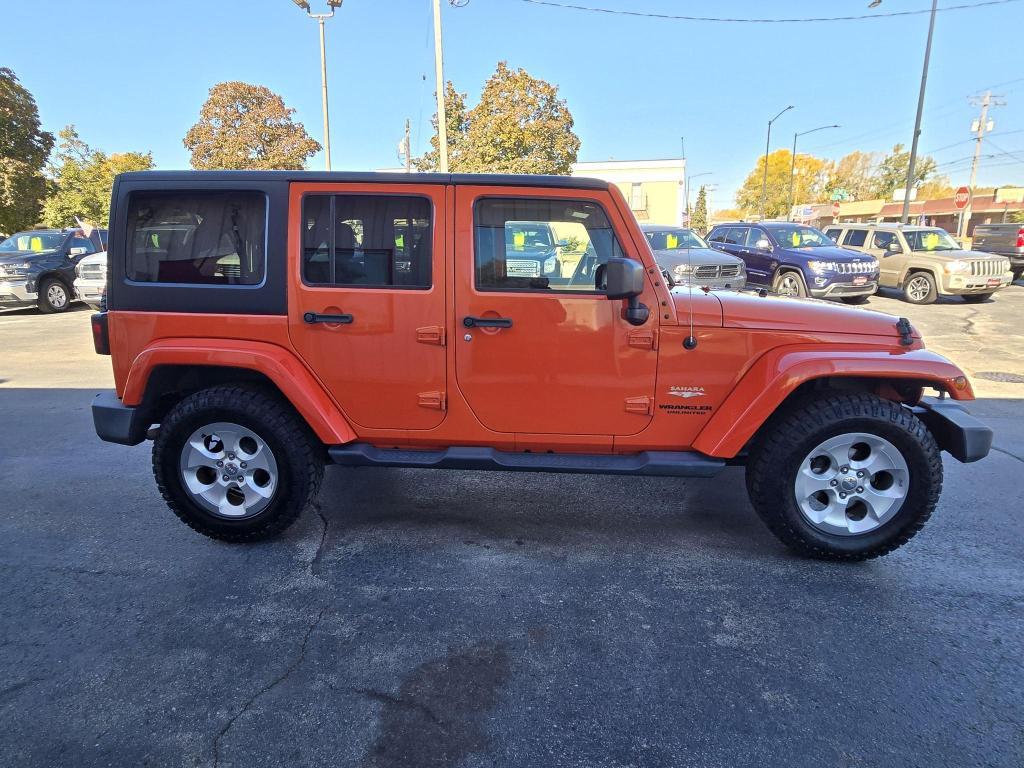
{"x": 264, "y": 324}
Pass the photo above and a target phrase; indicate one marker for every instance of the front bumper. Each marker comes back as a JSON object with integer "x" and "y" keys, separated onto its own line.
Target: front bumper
{"x": 957, "y": 432}
{"x": 718, "y": 283}
{"x": 958, "y": 285}
{"x": 18, "y": 293}
{"x": 116, "y": 422}
{"x": 842, "y": 289}
{"x": 90, "y": 291}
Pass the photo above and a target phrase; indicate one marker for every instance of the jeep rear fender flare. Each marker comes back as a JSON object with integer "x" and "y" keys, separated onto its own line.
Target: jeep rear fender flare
{"x": 281, "y": 366}
{"x": 777, "y": 373}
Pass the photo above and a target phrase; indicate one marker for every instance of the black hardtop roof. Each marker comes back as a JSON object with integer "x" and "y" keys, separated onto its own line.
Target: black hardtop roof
{"x": 173, "y": 178}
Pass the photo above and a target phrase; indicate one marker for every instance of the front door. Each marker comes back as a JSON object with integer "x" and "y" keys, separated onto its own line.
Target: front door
{"x": 889, "y": 263}
{"x": 366, "y": 307}
{"x": 542, "y": 350}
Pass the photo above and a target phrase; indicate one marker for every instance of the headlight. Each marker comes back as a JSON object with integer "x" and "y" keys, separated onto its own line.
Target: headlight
{"x": 682, "y": 271}
{"x": 823, "y": 266}
{"x": 550, "y": 264}
{"x": 957, "y": 267}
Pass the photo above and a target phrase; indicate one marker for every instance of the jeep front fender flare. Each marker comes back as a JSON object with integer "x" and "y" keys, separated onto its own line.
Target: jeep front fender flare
{"x": 777, "y": 373}
{"x": 288, "y": 374}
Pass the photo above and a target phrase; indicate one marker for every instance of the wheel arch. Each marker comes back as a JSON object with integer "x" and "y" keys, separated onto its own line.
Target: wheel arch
{"x": 169, "y": 370}
{"x": 785, "y": 375}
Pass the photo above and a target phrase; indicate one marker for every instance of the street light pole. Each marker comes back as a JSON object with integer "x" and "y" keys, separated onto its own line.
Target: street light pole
{"x": 792, "y": 166}
{"x": 321, "y": 18}
{"x": 767, "y": 144}
{"x": 905, "y": 215}
{"x": 442, "y": 115}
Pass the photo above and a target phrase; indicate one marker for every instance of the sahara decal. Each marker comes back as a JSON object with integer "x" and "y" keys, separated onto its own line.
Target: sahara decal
{"x": 686, "y": 392}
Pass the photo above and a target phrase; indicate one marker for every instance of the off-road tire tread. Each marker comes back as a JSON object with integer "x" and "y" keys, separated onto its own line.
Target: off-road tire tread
{"x": 810, "y": 414}
{"x": 303, "y": 453}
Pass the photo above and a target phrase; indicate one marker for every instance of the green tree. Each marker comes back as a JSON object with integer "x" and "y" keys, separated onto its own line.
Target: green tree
{"x": 808, "y": 180}
{"x": 457, "y": 123}
{"x": 519, "y": 126}
{"x": 24, "y": 147}
{"x": 243, "y": 126}
{"x": 82, "y": 179}
{"x": 699, "y": 221}
{"x": 892, "y": 173}
{"x": 850, "y": 178}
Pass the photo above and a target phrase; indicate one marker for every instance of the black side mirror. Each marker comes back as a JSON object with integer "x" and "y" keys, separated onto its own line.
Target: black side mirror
{"x": 624, "y": 279}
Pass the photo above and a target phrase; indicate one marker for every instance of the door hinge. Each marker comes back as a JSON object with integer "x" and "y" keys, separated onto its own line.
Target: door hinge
{"x": 435, "y": 400}
{"x": 642, "y": 405}
{"x": 644, "y": 339}
{"x": 431, "y": 334}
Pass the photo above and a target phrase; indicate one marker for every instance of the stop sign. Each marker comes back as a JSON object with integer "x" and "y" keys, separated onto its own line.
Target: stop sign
{"x": 835, "y": 210}
{"x": 962, "y": 198}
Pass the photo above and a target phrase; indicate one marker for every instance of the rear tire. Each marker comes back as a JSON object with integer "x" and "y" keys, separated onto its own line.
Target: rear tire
{"x": 1018, "y": 273}
{"x": 270, "y": 464}
{"x": 795, "y": 476}
{"x": 920, "y": 288}
{"x": 976, "y": 298}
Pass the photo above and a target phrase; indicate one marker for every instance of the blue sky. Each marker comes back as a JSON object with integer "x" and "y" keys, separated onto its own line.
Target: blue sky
{"x": 132, "y": 75}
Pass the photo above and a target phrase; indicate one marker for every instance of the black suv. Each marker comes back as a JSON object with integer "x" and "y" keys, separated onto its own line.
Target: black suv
{"x": 38, "y": 266}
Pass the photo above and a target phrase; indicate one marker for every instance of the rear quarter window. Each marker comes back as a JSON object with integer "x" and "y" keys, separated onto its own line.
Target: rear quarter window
{"x": 197, "y": 238}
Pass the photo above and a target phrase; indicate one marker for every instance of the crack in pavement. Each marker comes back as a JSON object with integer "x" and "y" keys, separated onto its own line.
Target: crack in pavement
{"x": 1007, "y": 453}
{"x": 387, "y": 698}
{"x": 273, "y": 683}
{"x": 314, "y": 564}
{"x": 969, "y": 323}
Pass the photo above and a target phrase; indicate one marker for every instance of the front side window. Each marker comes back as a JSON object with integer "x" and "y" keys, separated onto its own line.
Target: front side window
{"x": 545, "y": 244}
{"x": 882, "y": 239}
{"x": 201, "y": 238}
{"x": 856, "y": 237}
{"x": 81, "y": 242}
{"x": 736, "y": 235}
{"x": 367, "y": 241}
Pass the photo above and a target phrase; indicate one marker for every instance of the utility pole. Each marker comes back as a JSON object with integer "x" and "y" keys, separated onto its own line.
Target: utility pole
{"x": 905, "y": 215}
{"x": 408, "y": 148}
{"x": 981, "y": 126}
{"x": 442, "y": 115}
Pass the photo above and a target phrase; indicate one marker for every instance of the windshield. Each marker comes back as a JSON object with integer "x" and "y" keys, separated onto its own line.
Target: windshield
{"x": 674, "y": 239}
{"x": 798, "y": 236}
{"x": 930, "y": 240}
{"x": 33, "y": 241}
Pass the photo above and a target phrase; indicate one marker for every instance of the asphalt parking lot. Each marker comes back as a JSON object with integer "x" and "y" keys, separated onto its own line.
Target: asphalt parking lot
{"x": 477, "y": 619}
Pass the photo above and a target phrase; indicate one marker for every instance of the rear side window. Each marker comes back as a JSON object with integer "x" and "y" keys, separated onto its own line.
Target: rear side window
{"x": 541, "y": 244}
{"x": 855, "y": 237}
{"x": 202, "y": 238}
{"x": 367, "y": 241}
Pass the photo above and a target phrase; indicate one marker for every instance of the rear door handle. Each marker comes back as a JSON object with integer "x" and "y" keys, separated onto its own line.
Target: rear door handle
{"x": 487, "y": 322}
{"x": 313, "y": 317}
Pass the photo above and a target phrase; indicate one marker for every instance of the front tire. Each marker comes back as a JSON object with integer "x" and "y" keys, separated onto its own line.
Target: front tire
{"x": 790, "y": 284}
{"x": 844, "y": 476}
{"x": 236, "y": 463}
{"x": 54, "y": 296}
{"x": 920, "y": 288}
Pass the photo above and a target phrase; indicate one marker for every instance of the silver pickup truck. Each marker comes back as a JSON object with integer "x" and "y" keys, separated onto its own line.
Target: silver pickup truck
{"x": 1003, "y": 240}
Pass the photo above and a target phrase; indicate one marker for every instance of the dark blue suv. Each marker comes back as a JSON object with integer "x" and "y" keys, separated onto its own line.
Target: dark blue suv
{"x": 797, "y": 260}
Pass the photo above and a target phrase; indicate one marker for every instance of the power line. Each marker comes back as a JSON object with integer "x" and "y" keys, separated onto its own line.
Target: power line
{"x": 675, "y": 17}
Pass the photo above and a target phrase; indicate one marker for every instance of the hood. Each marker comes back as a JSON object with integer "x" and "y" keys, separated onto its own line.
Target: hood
{"x": 670, "y": 259}
{"x": 831, "y": 253}
{"x": 16, "y": 257}
{"x": 94, "y": 258}
{"x": 959, "y": 255}
{"x": 781, "y": 313}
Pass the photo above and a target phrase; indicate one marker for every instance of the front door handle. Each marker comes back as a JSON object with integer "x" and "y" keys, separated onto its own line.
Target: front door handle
{"x": 487, "y": 322}
{"x": 313, "y": 317}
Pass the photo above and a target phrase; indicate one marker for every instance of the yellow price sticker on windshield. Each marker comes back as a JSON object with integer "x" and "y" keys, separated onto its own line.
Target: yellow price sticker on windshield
{"x": 931, "y": 241}
{"x": 794, "y": 238}
{"x": 671, "y": 241}
{"x": 519, "y": 240}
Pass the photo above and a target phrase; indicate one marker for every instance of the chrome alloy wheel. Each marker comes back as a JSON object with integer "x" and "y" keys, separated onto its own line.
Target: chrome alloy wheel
{"x": 229, "y": 470}
{"x": 789, "y": 285}
{"x": 57, "y": 295}
{"x": 918, "y": 288}
{"x": 851, "y": 484}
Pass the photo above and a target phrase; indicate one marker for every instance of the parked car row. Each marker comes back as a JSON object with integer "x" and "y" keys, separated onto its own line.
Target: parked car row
{"x": 846, "y": 261}
{"x": 39, "y": 267}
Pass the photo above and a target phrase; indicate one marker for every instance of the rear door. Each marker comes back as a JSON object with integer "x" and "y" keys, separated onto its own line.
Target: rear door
{"x": 366, "y": 307}
{"x": 548, "y": 354}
